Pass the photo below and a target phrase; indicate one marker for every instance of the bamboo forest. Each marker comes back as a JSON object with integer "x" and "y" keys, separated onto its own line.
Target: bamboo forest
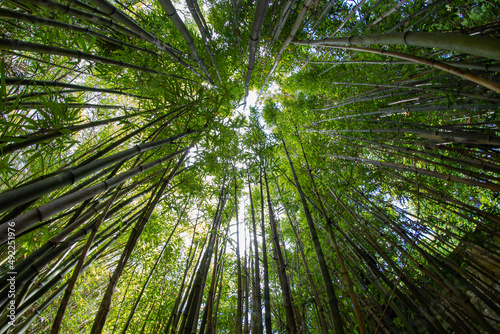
{"x": 240, "y": 166}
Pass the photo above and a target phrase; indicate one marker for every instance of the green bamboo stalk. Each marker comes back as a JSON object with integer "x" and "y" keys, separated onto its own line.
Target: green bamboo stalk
{"x": 288, "y": 40}
{"x": 171, "y": 12}
{"x": 61, "y": 25}
{"x": 477, "y": 45}
{"x": 460, "y": 64}
{"x": 253, "y": 41}
{"x": 14, "y": 44}
{"x": 27, "y": 220}
{"x": 267, "y": 295}
{"x": 104, "y": 307}
{"x": 89, "y": 17}
{"x": 291, "y": 327}
{"x": 257, "y": 307}
{"x": 420, "y": 60}
{"x": 43, "y": 84}
{"x": 152, "y": 271}
{"x": 23, "y": 194}
{"x": 422, "y": 171}
{"x": 330, "y": 291}
{"x": 33, "y": 138}
{"x": 348, "y": 17}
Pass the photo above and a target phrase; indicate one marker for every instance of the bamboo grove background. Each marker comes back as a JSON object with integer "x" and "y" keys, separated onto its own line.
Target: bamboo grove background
{"x": 361, "y": 195}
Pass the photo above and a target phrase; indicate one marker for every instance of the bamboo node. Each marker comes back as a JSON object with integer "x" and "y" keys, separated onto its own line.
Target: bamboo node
{"x": 40, "y": 216}
{"x": 404, "y": 37}
{"x": 73, "y": 176}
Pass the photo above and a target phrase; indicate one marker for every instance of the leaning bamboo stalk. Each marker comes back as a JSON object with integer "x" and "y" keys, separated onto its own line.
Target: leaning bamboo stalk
{"x": 348, "y": 17}
{"x": 454, "y": 160}
{"x": 47, "y": 283}
{"x": 363, "y": 254}
{"x": 43, "y": 84}
{"x": 181, "y": 310}
{"x": 424, "y": 17}
{"x": 416, "y": 293}
{"x": 437, "y": 274}
{"x": 81, "y": 217}
{"x": 31, "y": 139}
{"x": 122, "y": 140}
{"x": 160, "y": 256}
{"x": 330, "y": 291}
{"x": 34, "y": 104}
{"x": 209, "y": 303}
{"x": 328, "y": 220}
{"x": 419, "y": 88}
{"x": 23, "y": 194}
{"x": 386, "y": 14}
{"x": 85, "y": 7}
{"x": 27, "y": 220}
{"x": 285, "y": 13}
{"x": 199, "y": 276}
{"x": 72, "y": 69}
{"x": 25, "y": 325}
{"x": 214, "y": 326}
{"x": 481, "y": 44}
{"x": 246, "y": 286}
{"x": 267, "y": 296}
{"x": 422, "y": 171}
{"x": 286, "y": 43}
{"x": 443, "y": 199}
{"x": 484, "y": 178}
{"x": 61, "y": 25}
{"x": 319, "y": 304}
{"x": 365, "y": 17}
{"x": 119, "y": 16}
{"x": 14, "y": 44}
{"x": 195, "y": 297}
{"x": 253, "y": 41}
{"x": 71, "y": 283}
{"x": 28, "y": 273}
{"x": 427, "y": 8}
{"x": 440, "y": 135}
{"x": 130, "y": 216}
{"x": 477, "y": 45}
{"x": 239, "y": 305}
{"x": 291, "y": 326}
{"x": 391, "y": 111}
{"x": 92, "y": 18}
{"x": 323, "y": 14}
{"x": 76, "y": 272}
{"x": 27, "y": 96}
{"x": 459, "y": 64}
{"x": 209, "y": 315}
{"x": 189, "y": 261}
{"x": 171, "y": 12}
{"x": 257, "y": 309}
{"x": 104, "y": 307}
{"x": 205, "y": 35}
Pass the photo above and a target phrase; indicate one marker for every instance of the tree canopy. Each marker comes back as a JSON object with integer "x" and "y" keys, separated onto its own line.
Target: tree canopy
{"x": 249, "y": 166}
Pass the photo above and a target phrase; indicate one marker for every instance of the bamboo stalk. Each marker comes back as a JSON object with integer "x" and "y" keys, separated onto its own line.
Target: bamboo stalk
{"x": 104, "y": 307}
{"x": 253, "y": 41}
{"x": 291, "y": 326}
{"x": 61, "y": 25}
{"x": 14, "y": 44}
{"x": 27, "y": 220}
{"x": 171, "y": 12}
{"x": 32, "y": 191}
